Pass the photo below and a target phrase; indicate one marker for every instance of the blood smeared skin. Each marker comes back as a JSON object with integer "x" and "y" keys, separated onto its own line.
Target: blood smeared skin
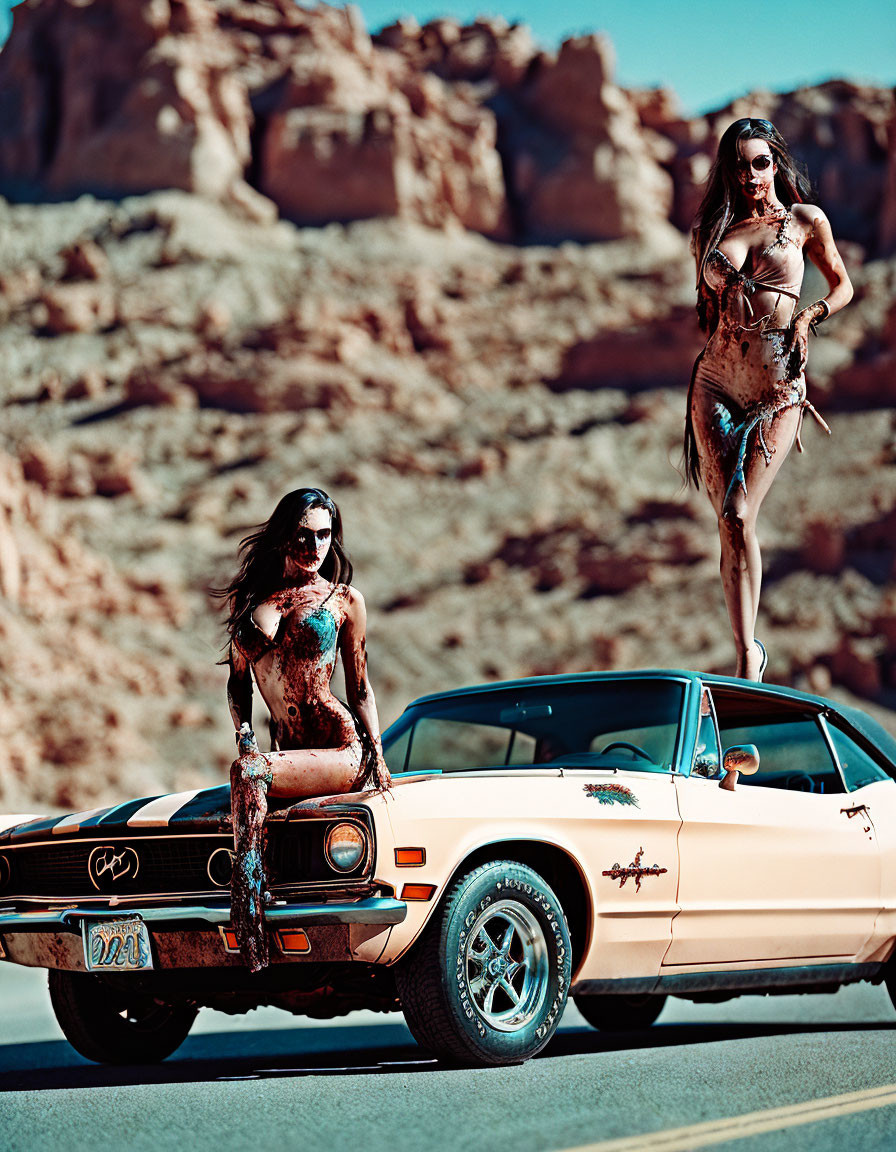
{"x": 750, "y": 373}
{"x": 293, "y": 674}
{"x": 290, "y": 643}
{"x": 249, "y": 804}
{"x": 295, "y": 677}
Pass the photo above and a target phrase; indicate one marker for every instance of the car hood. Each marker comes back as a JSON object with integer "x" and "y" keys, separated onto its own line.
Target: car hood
{"x": 200, "y": 810}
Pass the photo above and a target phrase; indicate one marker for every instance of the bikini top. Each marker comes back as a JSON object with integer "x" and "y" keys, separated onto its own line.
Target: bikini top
{"x": 311, "y": 638}
{"x": 777, "y": 268}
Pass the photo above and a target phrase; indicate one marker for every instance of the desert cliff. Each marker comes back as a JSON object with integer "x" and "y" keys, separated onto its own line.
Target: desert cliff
{"x": 443, "y": 274}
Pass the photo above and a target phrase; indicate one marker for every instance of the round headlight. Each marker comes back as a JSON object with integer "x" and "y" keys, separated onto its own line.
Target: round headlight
{"x": 4, "y": 872}
{"x": 345, "y": 846}
{"x": 220, "y": 867}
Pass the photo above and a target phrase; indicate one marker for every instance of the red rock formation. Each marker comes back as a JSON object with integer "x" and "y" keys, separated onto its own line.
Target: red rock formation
{"x": 423, "y": 123}
{"x": 121, "y": 97}
{"x": 357, "y": 132}
{"x": 625, "y": 359}
{"x": 582, "y": 168}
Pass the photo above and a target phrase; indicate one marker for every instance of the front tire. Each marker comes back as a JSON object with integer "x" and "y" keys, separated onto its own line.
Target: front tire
{"x": 112, "y": 1027}
{"x": 619, "y": 1013}
{"x": 487, "y": 981}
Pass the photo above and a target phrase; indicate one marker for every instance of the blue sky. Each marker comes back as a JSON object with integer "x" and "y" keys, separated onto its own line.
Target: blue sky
{"x": 708, "y": 51}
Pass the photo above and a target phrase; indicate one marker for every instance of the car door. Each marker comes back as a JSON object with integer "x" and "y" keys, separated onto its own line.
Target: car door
{"x": 627, "y": 826}
{"x": 779, "y": 868}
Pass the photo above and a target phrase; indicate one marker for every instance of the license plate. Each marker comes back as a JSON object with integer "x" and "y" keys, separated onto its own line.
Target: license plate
{"x": 116, "y": 945}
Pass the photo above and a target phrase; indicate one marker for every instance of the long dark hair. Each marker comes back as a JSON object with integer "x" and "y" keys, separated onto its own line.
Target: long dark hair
{"x": 264, "y": 552}
{"x": 716, "y": 211}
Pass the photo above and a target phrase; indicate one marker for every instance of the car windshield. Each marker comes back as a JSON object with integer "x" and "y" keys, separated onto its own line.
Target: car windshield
{"x": 619, "y": 723}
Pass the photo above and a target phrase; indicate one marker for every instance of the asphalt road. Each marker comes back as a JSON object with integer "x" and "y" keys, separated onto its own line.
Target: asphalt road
{"x": 270, "y": 1080}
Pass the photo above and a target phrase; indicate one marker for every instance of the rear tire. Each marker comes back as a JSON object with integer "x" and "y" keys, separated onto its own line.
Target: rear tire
{"x": 619, "y": 1013}
{"x": 487, "y": 981}
{"x": 112, "y": 1027}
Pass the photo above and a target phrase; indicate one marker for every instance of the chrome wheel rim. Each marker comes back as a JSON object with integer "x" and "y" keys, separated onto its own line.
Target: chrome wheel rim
{"x": 506, "y": 966}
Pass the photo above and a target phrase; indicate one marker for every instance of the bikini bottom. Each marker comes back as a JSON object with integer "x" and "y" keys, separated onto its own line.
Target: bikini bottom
{"x": 749, "y": 384}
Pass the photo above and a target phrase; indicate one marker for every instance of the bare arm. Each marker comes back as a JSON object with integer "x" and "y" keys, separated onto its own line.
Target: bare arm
{"x": 239, "y": 689}
{"x": 822, "y": 251}
{"x": 353, "y": 649}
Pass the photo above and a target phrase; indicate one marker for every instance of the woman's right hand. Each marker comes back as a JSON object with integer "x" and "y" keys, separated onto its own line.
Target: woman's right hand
{"x": 799, "y": 343}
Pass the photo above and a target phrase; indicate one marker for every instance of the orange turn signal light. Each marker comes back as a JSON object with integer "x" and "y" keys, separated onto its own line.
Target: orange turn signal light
{"x": 410, "y": 857}
{"x": 229, "y": 937}
{"x": 417, "y": 891}
{"x": 292, "y": 940}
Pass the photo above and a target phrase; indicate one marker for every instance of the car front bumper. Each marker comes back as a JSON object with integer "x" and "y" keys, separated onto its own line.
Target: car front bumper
{"x": 193, "y": 936}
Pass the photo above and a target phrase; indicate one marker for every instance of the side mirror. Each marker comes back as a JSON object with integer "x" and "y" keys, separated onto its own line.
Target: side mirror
{"x": 741, "y": 758}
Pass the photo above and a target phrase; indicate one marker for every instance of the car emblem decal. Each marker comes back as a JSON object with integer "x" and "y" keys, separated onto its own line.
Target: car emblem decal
{"x": 108, "y": 864}
{"x": 634, "y": 869}
{"x": 611, "y": 794}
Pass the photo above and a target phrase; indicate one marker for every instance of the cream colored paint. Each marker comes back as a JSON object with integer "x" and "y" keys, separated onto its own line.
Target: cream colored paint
{"x": 880, "y": 798}
{"x": 453, "y": 816}
{"x": 768, "y": 874}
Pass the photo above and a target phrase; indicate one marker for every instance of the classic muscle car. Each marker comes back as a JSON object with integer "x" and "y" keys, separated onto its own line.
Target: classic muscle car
{"x": 619, "y": 837}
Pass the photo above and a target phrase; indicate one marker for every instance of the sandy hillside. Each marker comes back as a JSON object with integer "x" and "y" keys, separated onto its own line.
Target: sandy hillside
{"x": 494, "y": 397}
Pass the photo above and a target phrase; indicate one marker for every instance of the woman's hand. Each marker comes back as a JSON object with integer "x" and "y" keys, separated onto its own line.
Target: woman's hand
{"x": 254, "y": 766}
{"x": 381, "y": 775}
{"x": 804, "y": 320}
{"x": 799, "y": 343}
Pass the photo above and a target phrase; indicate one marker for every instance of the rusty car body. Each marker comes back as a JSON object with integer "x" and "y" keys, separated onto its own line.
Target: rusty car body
{"x": 584, "y": 835}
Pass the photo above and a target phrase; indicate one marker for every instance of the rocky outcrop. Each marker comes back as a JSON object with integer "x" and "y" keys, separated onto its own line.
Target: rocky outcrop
{"x": 626, "y": 359}
{"x": 443, "y": 124}
{"x": 120, "y": 97}
{"x": 424, "y": 124}
{"x": 588, "y": 172}
{"x": 68, "y": 694}
{"x": 356, "y": 134}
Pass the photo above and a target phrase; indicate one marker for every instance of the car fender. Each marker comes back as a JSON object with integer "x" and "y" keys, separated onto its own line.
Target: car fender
{"x": 425, "y": 814}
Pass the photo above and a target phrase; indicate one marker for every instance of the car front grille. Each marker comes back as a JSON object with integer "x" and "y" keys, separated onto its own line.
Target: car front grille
{"x": 160, "y": 865}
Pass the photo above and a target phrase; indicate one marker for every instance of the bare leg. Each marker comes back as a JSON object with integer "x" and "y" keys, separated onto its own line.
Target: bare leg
{"x": 249, "y": 805}
{"x": 298, "y": 773}
{"x": 302, "y": 772}
{"x": 741, "y": 561}
{"x": 740, "y": 565}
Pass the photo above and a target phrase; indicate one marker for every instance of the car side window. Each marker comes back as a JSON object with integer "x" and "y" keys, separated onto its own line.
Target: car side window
{"x": 859, "y": 768}
{"x": 793, "y": 753}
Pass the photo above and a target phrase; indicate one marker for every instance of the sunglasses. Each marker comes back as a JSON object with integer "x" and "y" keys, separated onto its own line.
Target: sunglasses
{"x": 758, "y": 164}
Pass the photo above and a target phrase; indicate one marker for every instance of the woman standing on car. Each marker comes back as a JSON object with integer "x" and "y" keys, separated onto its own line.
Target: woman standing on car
{"x": 292, "y": 609}
{"x": 748, "y": 389}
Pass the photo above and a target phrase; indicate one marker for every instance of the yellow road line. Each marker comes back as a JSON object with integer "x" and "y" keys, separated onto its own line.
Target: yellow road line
{"x": 749, "y": 1124}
